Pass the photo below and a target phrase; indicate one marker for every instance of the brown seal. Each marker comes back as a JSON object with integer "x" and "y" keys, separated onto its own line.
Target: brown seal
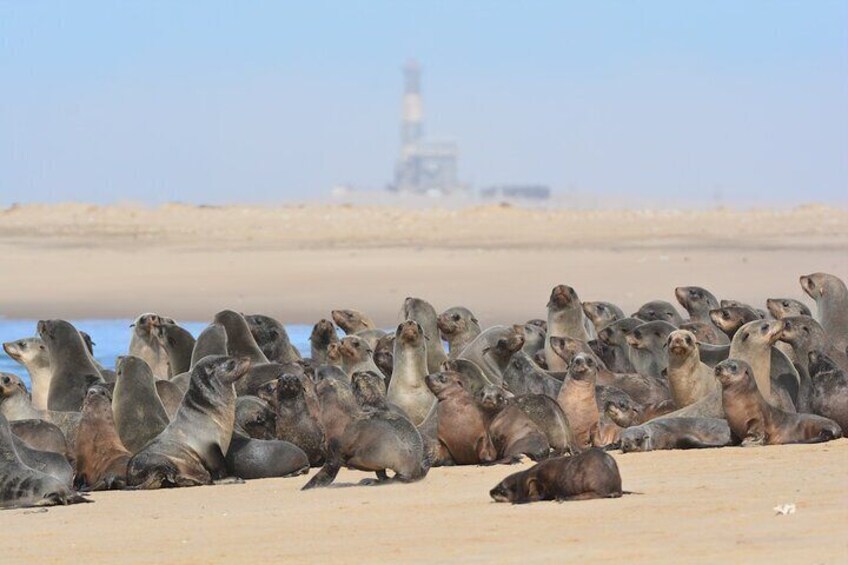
{"x": 190, "y": 451}
{"x": 689, "y": 379}
{"x": 145, "y": 344}
{"x": 578, "y": 402}
{"x": 831, "y": 296}
{"x": 101, "y": 458}
{"x": 706, "y": 332}
{"x": 753, "y": 344}
{"x": 785, "y": 307}
{"x": 676, "y": 433}
{"x": 352, "y": 321}
{"x": 565, "y": 318}
{"x": 458, "y": 327}
{"x": 296, "y": 423}
{"x": 138, "y": 411}
{"x": 730, "y": 318}
{"x": 272, "y": 338}
{"x": 591, "y": 474}
{"x": 21, "y": 485}
{"x": 240, "y": 341}
{"x": 356, "y": 355}
{"x": 755, "y": 421}
{"x": 462, "y": 432}
{"x": 211, "y": 341}
{"x": 323, "y": 335}
{"x": 513, "y": 433}
{"x": 602, "y": 314}
{"x": 658, "y": 310}
{"x": 697, "y": 301}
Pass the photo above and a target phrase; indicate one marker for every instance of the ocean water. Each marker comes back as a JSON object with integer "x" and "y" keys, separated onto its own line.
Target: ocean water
{"x": 111, "y": 339}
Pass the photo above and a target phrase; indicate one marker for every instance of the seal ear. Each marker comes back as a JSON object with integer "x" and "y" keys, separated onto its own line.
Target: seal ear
{"x": 473, "y": 319}
{"x": 534, "y": 489}
{"x": 745, "y": 336}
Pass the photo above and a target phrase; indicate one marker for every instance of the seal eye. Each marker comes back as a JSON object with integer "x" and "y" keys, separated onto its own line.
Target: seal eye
{"x": 688, "y": 340}
{"x": 786, "y": 304}
{"x": 601, "y": 307}
{"x": 455, "y": 317}
{"x": 764, "y": 327}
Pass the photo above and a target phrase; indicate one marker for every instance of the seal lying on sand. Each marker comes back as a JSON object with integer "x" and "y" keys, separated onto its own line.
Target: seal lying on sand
{"x": 676, "y": 433}
{"x": 591, "y": 474}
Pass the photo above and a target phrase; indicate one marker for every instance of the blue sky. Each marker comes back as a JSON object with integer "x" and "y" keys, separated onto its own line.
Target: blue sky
{"x": 278, "y": 101}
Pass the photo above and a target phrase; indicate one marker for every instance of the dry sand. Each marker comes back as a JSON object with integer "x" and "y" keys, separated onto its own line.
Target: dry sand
{"x": 299, "y": 262}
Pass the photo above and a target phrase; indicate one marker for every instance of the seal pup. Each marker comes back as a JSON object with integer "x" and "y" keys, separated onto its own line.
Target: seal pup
{"x": 513, "y": 433}
{"x": 178, "y": 344}
{"x": 577, "y": 399}
{"x": 338, "y": 407}
{"x": 524, "y": 376}
{"x": 240, "y": 342}
{"x": 211, "y": 341}
{"x": 145, "y": 344}
{"x": 753, "y": 344}
{"x": 805, "y": 335}
{"x": 101, "y": 458}
{"x": 15, "y": 405}
{"x": 369, "y": 391}
{"x": 323, "y": 335}
{"x": 408, "y": 389}
{"x": 272, "y": 338}
{"x": 296, "y": 423}
{"x": 73, "y": 370}
{"x": 616, "y": 351}
{"x": 32, "y": 354}
{"x": 689, "y": 379}
{"x": 602, "y": 314}
{"x": 356, "y": 355}
{"x": 831, "y": 298}
{"x": 730, "y": 318}
{"x": 826, "y": 392}
{"x": 785, "y": 307}
{"x": 458, "y": 327}
{"x": 755, "y": 421}
{"x": 462, "y": 433}
{"x": 138, "y": 411}
{"x": 697, "y": 301}
{"x": 384, "y": 356}
{"x": 423, "y": 312}
{"x": 677, "y": 433}
{"x": 658, "y": 310}
{"x": 549, "y": 418}
{"x": 534, "y": 338}
{"x": 565, "y": 318}
{"x": 591, "y": 474}
{"x": 190, "y": 451}
{"x": 21, "y": 485}
{"x": 626, "y": 413}
{"x": 352, "y": 321}
{"x": 648, "y": 352}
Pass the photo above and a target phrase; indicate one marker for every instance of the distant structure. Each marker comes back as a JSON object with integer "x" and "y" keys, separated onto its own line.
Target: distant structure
{"x": 517, "y": 192}
{"x": 424, "y": 167}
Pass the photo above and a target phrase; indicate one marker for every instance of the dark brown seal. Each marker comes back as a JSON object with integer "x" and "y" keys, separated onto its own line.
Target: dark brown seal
{"x": 755, "y": 421}
{"x": 295, "y": 422}
{"x": 101, "y": 458}
{"x": 513, "y": 433}
{"x": 591, "y": 474}
{"x": 676, "y": 433}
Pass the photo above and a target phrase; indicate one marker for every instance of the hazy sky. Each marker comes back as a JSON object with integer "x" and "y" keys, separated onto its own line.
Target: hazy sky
{"x": 278, "y": 101}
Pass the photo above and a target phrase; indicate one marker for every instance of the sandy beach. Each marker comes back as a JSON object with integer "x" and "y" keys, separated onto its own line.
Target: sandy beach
{"x": 297, "y": 263}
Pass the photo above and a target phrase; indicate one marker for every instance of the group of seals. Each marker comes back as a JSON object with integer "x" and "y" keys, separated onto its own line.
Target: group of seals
{"x": 240, "y": 402}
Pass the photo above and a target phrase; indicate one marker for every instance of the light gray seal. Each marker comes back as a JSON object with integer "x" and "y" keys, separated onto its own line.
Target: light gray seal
{"x": 408, "y": 389}
{"x": 565, "y": 318}
{"x": 831, "y": 298}
{"x": 676, "y": 433}
{"x": 423, "y": 312}
{"x": 73, "y": 370}
{"x": 658, "y": 310}
{"x": 458, "y": 327}
{"x": 31, "y": 352}
{"x": 139, "y": 414}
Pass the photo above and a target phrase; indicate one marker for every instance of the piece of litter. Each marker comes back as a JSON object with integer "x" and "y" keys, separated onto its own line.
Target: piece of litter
{"x": 784, "y": 509}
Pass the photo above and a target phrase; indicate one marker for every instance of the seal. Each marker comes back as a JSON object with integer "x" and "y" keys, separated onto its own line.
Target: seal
{"x": 138, "y": 412}
{"x": 462, "y": 433}
{"x": 785, "y": 307}
{"x": 384, "y": 356}
{"x": 240, "y": 342}
{"x": 602, "y": 314}
{"x": 423, "y": 312}
{"x": 178, "y": 344}
{"x": 706, "y": 333}
{"x": 826, "y": 390}
{"x": 548, "y": 417}
{"x": 101, "y": 458}
{"x": 755, "y": 421}
{"x": 369, "y": 391}
{"x": 492, "y": 350}
{"x": 625, "y": 412}
{"x": 534, "y": 338}
{"x": 753, "y": 344}
{"x": 565, "y": 318}
{"x": 458, "y": 327}
{"x": 352, "y": 321}
{"x": 805, "y": 335}
{"x": 689, "y": 379}
{"x": 524, "y": 376}
{"x": 408, "y": 389}
{"x": 41, "y": 435}
{"x": 648, "y": 352}
{"x": 356, "y": 355}
{"x": 697, "y": 301}
{"x": 255, "y": 417}
{"x": 473, "y": 378}
{"x": 190, "y": 451}
{"x": 21, "y": 485}
{"x": 272, "y": 338}
{"x": 295, "y": 422}
{"x": 211, "y": 341}
{"x": 73, "y": 371}
{"x": 591, "y": 474}
{"x": 658, "y": 310}
{"x": 513, "y": 433}
{"x": 338, "y": 407}
{"x": 323, "y": 335}
{"x": 677, "y": 433}
{"x": 831, "y": 298}
{"x": 249, "y": 458}
{"x": 616, "y": 351}
{"x": 145, "y": 344}
{"x": 32, "y": 354}
{"x": 375, "y": 441}
{"x": 577, "y": 400}
{"x": 730, "y": 318}
{"x": 47, "y": 462}
{"x": 171, "y": 396}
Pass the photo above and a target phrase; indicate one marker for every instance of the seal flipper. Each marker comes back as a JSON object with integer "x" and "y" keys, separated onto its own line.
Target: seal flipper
{"x": 332, "y": 465}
